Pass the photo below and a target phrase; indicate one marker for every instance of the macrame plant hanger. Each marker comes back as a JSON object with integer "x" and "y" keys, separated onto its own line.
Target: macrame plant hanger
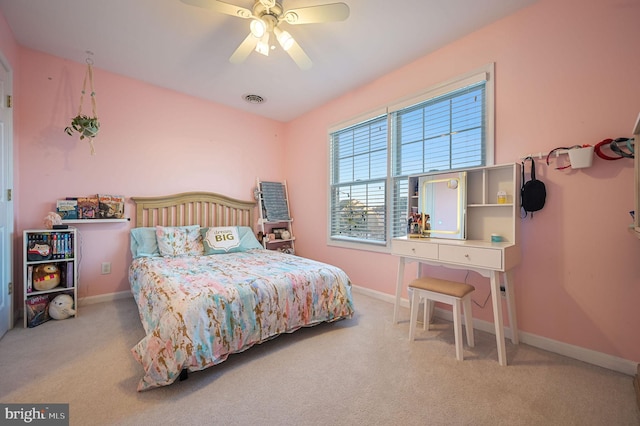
{"x": 86, "y": 126}
{"x": 89, "y": 75}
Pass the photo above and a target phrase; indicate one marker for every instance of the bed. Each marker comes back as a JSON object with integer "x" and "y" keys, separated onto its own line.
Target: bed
{"x": 205, "y": 288}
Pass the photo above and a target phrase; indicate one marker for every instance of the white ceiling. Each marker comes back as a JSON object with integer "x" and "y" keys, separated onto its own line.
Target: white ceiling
{"x": 173, "y": 45}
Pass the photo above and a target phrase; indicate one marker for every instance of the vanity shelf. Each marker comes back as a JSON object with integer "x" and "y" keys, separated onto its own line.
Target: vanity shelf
{"x": 483, "y": 214}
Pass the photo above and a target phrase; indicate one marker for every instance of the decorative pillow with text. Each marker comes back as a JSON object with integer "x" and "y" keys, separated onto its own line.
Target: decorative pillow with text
{"x": 228, "y": 239}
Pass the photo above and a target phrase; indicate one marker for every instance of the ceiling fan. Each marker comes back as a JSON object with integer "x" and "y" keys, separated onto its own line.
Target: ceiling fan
{"x": 265, "y": 19}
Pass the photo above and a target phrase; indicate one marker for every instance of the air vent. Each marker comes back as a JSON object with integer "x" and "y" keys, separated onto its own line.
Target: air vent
{"x": 254, "y": 99}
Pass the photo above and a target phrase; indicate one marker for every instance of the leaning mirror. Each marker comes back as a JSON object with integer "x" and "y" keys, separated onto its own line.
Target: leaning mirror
{"x": 442, "y": 205}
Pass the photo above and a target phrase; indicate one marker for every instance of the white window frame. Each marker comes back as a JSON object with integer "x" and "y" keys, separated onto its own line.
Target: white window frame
{"x": 485, "y": 73}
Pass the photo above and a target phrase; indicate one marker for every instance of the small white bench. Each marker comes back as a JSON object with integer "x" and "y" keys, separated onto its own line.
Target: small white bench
{"x": 453, "y": 293}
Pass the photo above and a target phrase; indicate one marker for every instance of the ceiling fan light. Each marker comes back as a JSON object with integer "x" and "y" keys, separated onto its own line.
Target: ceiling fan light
{"x": 263, "y": 45}
{"x": 262, "y": 48}
{"x": 285, "y": 40}
{"x": 258, "y": 28}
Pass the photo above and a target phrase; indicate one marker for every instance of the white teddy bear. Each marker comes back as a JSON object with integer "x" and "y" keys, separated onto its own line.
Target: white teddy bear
{"x": 61, "y": 307}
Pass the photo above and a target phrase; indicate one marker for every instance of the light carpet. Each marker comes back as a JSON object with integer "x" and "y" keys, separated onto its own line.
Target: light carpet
{"x": 361, "y": 371}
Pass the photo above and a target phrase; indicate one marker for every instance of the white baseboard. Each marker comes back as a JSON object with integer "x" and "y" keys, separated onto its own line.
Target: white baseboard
{"x": 600, "y": 359}
{"x": 104, "y": 298}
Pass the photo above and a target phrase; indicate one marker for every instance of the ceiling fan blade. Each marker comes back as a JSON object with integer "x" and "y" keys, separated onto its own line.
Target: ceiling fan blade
{"x": 299, "y": 57}
{"x": 222, "y": 7}
{"x": 244, "y": 50}
{"x": 316, "y": 14}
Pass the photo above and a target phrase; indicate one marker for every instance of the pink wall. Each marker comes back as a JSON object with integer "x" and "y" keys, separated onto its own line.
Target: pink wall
{"x": 152, "y": 142}
{"x": 566, "y": 74}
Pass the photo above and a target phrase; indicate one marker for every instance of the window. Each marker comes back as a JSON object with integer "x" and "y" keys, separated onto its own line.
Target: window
{"x": 359, "y": 179}
{"x": 449, "y": 127}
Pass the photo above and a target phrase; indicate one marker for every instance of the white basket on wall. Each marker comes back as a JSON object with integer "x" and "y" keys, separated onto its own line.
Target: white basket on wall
{"x": 581, "y": 157}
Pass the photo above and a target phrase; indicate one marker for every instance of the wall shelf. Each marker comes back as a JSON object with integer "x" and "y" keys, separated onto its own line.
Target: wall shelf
{"x": 504, "y": 205}
{"x": 78, "y": 221}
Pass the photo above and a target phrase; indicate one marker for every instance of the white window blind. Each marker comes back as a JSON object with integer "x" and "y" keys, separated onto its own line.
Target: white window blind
{"x": 448, "y": 127}
{"x": 439, "y": 134}
{"x": 358, "y": 182}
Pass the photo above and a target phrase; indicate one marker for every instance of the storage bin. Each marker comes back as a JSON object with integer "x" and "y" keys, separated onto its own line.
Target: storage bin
{"x": 581, "y": 157}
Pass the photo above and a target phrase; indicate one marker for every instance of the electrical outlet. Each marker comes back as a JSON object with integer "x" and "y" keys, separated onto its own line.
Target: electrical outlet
{"x": 106, "y": 268}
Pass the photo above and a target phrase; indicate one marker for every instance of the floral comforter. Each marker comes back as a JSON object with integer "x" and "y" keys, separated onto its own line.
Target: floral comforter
{"x": 197, "y": 310}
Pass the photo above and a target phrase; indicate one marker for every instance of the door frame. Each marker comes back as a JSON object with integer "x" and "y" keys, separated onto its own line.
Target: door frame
{"x": 7, "y": 178}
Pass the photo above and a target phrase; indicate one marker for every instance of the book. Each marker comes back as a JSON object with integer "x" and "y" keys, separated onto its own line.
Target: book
{"x": 37, "y": 310}
{"x": 88, "y": 207}
{"x": 29, "y": 278}
{"x": 67, "y": 209}
{"x": 110, "y": 206}
{"x": 68, "y": 275}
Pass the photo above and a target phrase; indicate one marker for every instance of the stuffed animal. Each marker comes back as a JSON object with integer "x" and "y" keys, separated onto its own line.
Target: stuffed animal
{"x": 38, "y": 251}
{"x": 61, "y": 307}
{"x": 52, "y": 219}
{"x": 46, "y": 276}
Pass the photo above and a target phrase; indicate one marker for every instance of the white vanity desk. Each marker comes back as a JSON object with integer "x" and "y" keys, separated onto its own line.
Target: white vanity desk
{"x": 491, "y": 260}
{"x": 484, "y": 214}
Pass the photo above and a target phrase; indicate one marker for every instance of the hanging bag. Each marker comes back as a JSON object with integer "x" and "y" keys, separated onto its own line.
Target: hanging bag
{"x": 533, "y": 193}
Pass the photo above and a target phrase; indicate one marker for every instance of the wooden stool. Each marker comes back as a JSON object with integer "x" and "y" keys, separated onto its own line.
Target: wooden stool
{"x": 455, "y": 294}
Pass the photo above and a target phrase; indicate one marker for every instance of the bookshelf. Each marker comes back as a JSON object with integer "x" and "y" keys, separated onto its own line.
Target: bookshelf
{"x": 50, "y": 268}
{"x": 276, "y": 223}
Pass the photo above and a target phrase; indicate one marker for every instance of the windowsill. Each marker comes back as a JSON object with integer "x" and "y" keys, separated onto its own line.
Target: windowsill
{"x": 374, "y": 247}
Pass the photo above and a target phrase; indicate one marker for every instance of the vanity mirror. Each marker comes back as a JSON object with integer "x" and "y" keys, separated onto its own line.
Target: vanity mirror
{"x": 441, "y": 205}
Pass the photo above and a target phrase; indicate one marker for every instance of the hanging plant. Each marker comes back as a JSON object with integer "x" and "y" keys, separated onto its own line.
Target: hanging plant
{"x": 86, "y": 126}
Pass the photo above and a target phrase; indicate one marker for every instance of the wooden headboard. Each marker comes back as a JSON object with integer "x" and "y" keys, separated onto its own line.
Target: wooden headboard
{"x": 193, "y": 208}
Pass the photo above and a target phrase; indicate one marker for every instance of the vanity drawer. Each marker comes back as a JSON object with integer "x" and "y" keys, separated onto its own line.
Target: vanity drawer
{"x": 472, "y": 256}
{"x": 416, "y": 249}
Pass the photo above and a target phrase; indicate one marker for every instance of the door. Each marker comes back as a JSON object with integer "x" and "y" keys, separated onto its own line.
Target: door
{"x": 6, "y": 205}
